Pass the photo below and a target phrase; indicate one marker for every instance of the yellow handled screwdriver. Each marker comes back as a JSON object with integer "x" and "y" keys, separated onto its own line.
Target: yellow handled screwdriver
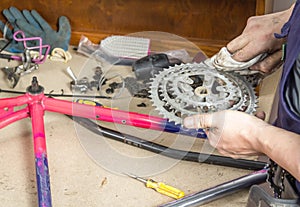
{"x": 160, "y": 187}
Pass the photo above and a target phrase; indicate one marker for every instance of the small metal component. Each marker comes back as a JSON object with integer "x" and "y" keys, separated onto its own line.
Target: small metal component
{"x": 82, "y": 85}
{"x": 35, "y": 88}
{"x": 109, "y": 90}
{"x": 71, "y": 74}
{"x": 136, "y": 88}
{"x": 14, "y": 74}
{"x": 141, "y": 105}
{"x": 76, "y": 85}
{"x": 115, "y": 85}
{"x": 98, "y": 73}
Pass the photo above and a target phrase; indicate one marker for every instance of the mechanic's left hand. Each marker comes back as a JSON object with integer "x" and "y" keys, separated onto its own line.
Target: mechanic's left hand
{"x": 233, "y": 133}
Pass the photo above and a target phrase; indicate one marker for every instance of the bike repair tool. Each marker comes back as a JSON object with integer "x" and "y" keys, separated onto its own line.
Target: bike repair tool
{"x": 29, "y": 60}
{"x": 220, "y": 191}
{"x": 160, "y": 187}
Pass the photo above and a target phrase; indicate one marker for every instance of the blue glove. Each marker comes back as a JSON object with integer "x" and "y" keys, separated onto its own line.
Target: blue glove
{"x": 33, "y": 25}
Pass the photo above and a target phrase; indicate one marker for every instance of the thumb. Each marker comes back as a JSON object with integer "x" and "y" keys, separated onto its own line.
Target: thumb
{"x": 198, "y": 121}
{"x": 64, "y": 33}
{"x": 64, "y": 27}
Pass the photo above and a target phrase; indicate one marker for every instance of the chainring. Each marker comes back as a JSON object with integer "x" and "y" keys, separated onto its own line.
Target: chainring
{"x": 193, "y": 88}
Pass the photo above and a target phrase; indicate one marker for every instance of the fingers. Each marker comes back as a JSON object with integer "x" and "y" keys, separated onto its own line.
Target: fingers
{"x": 30, "y": 19}
{"x": 41, "y": 21}
{"x": 236, "y": 155}
{"x": 64, "y": 26}
{"x": 237, "y": 44}
{"x": 242, "y": 49}
{"x": 261, "y": 115}
{"x": 28, "y": 29}
{"x": 198, "y": 121}
{"x": 270, "y": 63}
{"x": 9, "y": 16}
{"x": 16, "y": 13}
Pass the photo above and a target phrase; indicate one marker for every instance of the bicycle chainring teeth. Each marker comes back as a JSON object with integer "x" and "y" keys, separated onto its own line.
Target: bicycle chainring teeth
{"x": 193, "y": 88}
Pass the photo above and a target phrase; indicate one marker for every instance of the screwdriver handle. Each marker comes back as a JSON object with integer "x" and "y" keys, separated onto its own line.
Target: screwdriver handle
{"x": 165, "y": 189}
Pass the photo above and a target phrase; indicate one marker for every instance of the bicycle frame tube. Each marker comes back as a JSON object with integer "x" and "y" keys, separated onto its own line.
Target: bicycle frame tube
{"x": 41, "y": 162}
{"x": 117, "y": 116}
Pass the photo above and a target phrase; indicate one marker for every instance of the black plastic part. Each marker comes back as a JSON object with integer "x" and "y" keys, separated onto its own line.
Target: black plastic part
{"x": 6, "y": 56}
{"x": 169, "y": 152}
{"x": 35, "y": 88}
{"x": 146, "y": 67}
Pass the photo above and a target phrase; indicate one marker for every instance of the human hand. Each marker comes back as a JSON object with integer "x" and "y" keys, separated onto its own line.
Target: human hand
{"x": 233, "y": 133}
{"x": 258, "y": 38}
{"x": 33, "y": 25}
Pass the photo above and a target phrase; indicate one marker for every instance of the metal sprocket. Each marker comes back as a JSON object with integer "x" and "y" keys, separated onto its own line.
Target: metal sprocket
{"x": 187, "y": 89}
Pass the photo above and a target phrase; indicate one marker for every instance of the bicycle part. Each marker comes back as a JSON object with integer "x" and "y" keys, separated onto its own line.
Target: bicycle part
{"x": 13, "y": 74}
{"x": 188, "y": 89}
{"x": 259, "y": 197}
{"x": 146, "y": 67}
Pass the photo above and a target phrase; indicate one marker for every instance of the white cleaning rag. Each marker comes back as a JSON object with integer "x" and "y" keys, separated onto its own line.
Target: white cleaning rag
{"x": 223, "y": 61}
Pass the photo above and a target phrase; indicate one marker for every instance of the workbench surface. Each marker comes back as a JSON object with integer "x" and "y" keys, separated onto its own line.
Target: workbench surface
{"x": 86, "y": 169}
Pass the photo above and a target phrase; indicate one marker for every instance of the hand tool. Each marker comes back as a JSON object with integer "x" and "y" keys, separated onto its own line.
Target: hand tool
{"x": 160, "y": 187}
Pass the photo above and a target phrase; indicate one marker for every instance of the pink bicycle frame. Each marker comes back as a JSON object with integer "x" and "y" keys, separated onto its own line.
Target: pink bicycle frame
{"x": 36, "y": 103}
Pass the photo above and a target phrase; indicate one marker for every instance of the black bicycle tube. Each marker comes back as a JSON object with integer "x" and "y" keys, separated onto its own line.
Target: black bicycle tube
{"x": 169, "y": 152}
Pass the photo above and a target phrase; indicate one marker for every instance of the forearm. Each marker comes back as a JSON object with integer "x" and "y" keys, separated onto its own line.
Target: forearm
{"x": 283, "y": 147}
{"x": 287, "y": 13}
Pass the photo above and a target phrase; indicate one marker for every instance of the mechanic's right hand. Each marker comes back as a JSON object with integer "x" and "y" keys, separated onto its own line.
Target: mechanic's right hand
{"x": 258, "y": 37}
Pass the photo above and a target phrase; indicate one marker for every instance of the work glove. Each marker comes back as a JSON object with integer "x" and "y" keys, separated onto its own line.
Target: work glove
{"x": 33, "y": 25}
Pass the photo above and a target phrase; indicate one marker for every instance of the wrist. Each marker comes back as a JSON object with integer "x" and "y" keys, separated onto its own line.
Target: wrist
{"x": 263, "y": 142}
{"x": 269, "y": 139}
{"x": 287, "y": 13}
